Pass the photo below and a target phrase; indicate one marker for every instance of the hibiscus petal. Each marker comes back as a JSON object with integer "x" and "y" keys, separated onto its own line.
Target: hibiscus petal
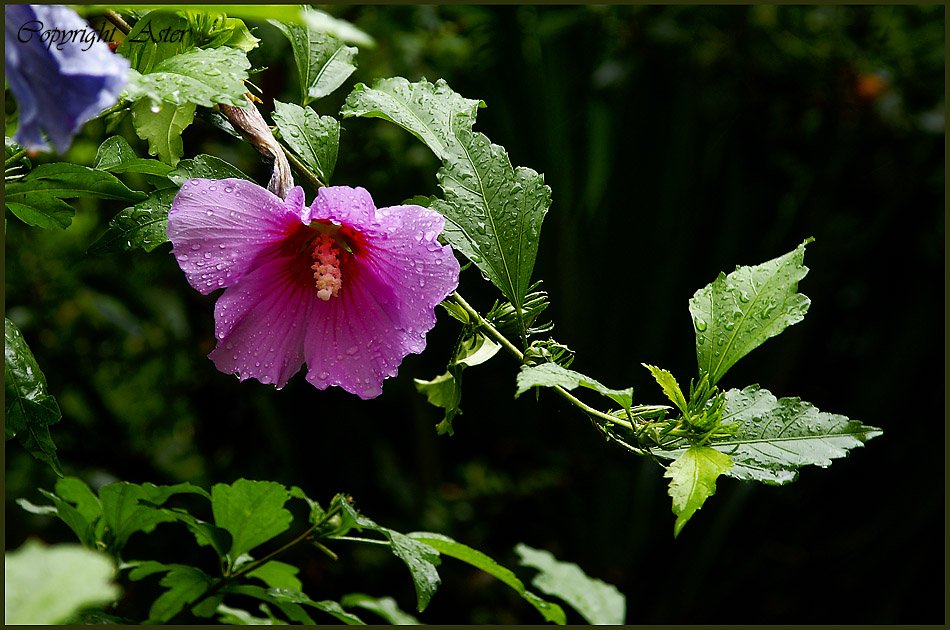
{"x": 343, "y": 205}
{"x": 261, "y": 323}
{"x": 219, "y": 227}
{"x": 386, "y": 305}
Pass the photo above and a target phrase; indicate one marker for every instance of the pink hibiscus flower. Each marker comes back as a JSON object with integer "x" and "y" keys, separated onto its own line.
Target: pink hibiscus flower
{"x": 343, "y": 286}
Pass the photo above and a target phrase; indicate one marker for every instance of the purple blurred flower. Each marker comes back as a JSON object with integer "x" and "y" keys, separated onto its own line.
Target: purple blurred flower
{"x": 60, "y": 72}
{"x": 346, "y": 288}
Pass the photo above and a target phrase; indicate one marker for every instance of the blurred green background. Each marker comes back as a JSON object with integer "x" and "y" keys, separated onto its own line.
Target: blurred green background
{"x": 678, "y": 141}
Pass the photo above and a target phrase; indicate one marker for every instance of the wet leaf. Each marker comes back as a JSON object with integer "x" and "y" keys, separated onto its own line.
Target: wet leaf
{"x": 429, "y": 111}
{"x": 737, "y": 313}
{"x": 324, "y": 62}
{"x": 446, "y": 546}
{"x": 314, "y": 138}
{"x": 116, "y": 156}
{"x": 553, "y": 375}
{"x": 161, "y": 124}
{"x": 777, "y": 436}
{"x": 385, "y": 607}
{"x": 196, "y": 77}
{"x": 693, "y": 480}
{"x": 596, "y": 601}
{"x": 252, "y": 511}
{"x": 141, "y": 226}
{"x": 29, "y": 408}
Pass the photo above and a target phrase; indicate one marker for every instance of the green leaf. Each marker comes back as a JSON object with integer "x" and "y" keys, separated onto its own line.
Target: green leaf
{"x": 116, "y": 156}
{"x": 252, "y": 511}
{"x": 737, "y": 313}
{"x": 141, "y": 226}
{"x": 197, "y": 77}
{"x": 445, "y": 391}
{"x": 385, "y": 607}
{"x": 161, "y": 124}
{"x": 341, "y": 29}
{"x": 278, "y": 574}
{"x": 670, "y": 387}
{"x": 75, "y": 505}
{"x": 213, "y": 29}
{"x": 316, "y": 512}
{"x": 185, "y": 585}
{"x": 323, "y": 61}
{"x": 493, "y": 213}
{"x": 29, "y": 408}
{"x": 445, "y": 545}
{"x": 776, "y": 436}
{"x": 553, "y": 375}
{"x": 205, "y": 166}
{"x": 693, "y": 480}
{"x": 237, "y": 617}
{"x": 128, "y": 508}
{"x": 281, "y": 597}
{"x": 205, "y": 533}
{"x": 159, "y": 35}
{"x": 428, "y": 111}
{"x": 421, "y": 559}
{"x": 42, "y": 210}
{"x": 314, "y": 138}
{"x": 596, "y": 601}
{"x": 50, "y": 584}
{"x": 65, "y": 180}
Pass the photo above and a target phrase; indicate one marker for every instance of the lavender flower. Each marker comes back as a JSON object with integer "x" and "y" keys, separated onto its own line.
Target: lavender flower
{"x": 346, "y": 288}
{"x": 60, "y": 72}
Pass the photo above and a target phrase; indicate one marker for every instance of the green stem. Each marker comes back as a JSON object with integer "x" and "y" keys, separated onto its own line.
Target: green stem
{"x": 301, "y": 168}
{"x": 13, "y": 159}
{"x": 495, "y": 334}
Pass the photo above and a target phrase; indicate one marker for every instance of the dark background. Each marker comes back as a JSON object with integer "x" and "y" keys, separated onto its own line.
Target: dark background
{"x": 679, "y": 142}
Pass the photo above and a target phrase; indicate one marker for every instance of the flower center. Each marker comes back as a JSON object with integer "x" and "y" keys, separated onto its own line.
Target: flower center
{"x": 326, "y": 266}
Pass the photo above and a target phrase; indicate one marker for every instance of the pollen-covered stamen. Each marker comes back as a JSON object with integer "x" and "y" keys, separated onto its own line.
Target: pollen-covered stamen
{"x": 326, "y": 267}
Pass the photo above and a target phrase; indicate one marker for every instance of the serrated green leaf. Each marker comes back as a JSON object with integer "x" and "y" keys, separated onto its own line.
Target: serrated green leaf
{"x": 671, "y": 389}
{"x": 196, "y": 77}
{"x": 314, "y": 138}
{"x": 50, "y": 584}
{"x": 553, "y": 375}
{"x": 449, "y": 547}
{"x": 323, "y": 61}
{"x": 385, "y": 607}
{"x": 428, "y": 111}
{"x": 212, "y": 28}
{"x": 693, "y": 480}
{"x": 29, "y": 408}
{"x": 276, "y": 574}
{"x": 161, "y": 124}
{"x": 776, "y": 436}
{"x": 737, "y": 313}
{"x": 206, "y": 166}
{"x": 128, "y": 508}
{"x": 493, "y": 213}
{"x": 419, "y": 558}
{"x": 141, "y": 226}
{"x": 116, "y": 156}
{"x": 185, "y": 584}
{"x": 159, "y": 35}
{"x": 79, "y": 493}
{"x": 596, "y": 601}
{"x": 316, "y": 511}
{"x": 252, "y": 511}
